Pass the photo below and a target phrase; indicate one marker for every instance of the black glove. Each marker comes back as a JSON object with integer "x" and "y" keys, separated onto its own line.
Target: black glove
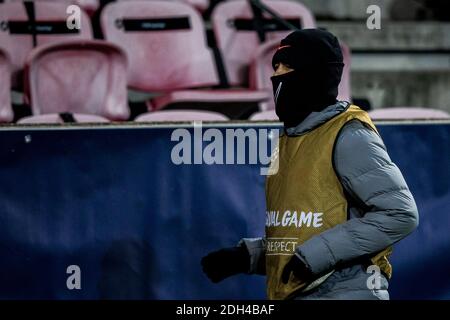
{"x": 221, "y": 264}
{"x": 300, "y": 270}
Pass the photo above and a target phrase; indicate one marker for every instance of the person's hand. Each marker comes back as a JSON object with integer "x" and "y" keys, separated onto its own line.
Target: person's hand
{"x": 223, "y": 263}
{"x": 298, "y": 267}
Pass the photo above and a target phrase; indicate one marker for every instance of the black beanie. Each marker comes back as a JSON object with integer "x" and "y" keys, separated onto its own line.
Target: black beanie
{"x": 309, "y": 48}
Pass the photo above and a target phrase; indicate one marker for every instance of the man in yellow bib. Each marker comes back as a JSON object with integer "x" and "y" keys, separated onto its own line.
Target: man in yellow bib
{"x": 337, "y": 203}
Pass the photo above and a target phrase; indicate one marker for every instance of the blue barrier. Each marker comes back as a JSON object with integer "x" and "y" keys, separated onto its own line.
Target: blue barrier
{"x": 111, "y": 201}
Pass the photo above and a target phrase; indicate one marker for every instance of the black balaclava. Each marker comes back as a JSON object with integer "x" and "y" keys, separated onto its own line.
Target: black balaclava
{"x": 316, "y": 57}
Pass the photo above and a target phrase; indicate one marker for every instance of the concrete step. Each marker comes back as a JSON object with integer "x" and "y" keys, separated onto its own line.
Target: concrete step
{"x": 390, "y": 9}
{"x": 402, "y": 89}
{"x": 392, "y": 35}
{"x": 347, "y": 9}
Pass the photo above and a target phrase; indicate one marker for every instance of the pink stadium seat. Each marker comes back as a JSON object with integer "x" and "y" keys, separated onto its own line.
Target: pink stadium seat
{"x": 51, "y": 27}
{"x": 261, "y": 70}
{"x": 78, "y": 77}
{"x": 166, "y": 46}
{"x": 398, "y": 113}
{"x": 56, "y": 118}
{"x": 6, "y": 112}
{"x": 207, "y": 96}
{"x": 200, "y": 5}
{"x": 165, "y": 43}
{"x": 264, "y": 116}
{"x": 237, "y": 39}
{"x": 90, "y": 6}
{"x": 344, "y": 90}
{"x": 184, "y": 115}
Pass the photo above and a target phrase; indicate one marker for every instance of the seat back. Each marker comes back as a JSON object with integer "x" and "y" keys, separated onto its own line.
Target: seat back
{"x": 184, "y": 115}
{"x": 261, "y": 70}
{"x": 6, "y": 112}
{"x": 90, "y": 6}
{"x": 165, "y": 43}
{"x": 237, "y": 38}
{"x": 56, "y": 118}
{"x": 51, "y": 27}
{"x": 398, "y": 113}
{"x": 200, "y": 5}
{"x": 344, "y": 90}
{"x": 78, "y": 77}
{"x": 268, "y": 115}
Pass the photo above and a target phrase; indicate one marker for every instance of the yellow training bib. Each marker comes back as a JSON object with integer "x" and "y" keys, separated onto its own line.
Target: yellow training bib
{"x": 305, "y": 198}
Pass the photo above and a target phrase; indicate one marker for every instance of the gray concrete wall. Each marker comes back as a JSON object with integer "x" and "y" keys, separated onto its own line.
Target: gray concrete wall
{"x": 404, "y": 78}
{"x": 357, "y": 9}
{"x": 403, "y": 89}
{"x": 392, "y": 35}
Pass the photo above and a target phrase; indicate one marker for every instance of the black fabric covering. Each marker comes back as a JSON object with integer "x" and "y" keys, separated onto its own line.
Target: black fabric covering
{"x": 316, "y": 59}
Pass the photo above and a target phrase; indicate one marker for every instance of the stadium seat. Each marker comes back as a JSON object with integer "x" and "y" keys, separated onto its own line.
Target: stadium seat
{"x": 51, "y": 27}
{"x": 261, "y": 70}
{"x": 166, "y": 46}
{"x": 164, "y": 41}
{"x": 78, "y": 77}
{"x": 6, "y": 112}
{"x": 264, "y": 116}
{"x": 184, "y": 115}
{"x": 90, "y": 6}
{"x": 237, "y": 38}
{"x": 344, "y": 90}
{"x": 57, "y": 118}
{"x": 399, "y": 113}
{"x": 200, "y": 5}
{"x": 211, "y": 97}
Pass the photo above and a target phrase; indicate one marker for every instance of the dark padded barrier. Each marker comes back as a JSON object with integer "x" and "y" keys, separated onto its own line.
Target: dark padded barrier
{"x": 110, "y": 201}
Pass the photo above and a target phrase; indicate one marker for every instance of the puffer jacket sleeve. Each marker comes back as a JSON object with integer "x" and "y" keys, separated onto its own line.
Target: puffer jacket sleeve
{"x": 368, "y": 174}
{"x": 257, "y": 250}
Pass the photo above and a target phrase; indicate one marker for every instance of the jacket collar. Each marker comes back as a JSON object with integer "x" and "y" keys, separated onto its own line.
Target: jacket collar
{"x": 315, "y": 119}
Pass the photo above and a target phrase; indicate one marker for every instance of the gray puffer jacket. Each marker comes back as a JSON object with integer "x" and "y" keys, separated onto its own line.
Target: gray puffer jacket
{"x": 382, "y": 213}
